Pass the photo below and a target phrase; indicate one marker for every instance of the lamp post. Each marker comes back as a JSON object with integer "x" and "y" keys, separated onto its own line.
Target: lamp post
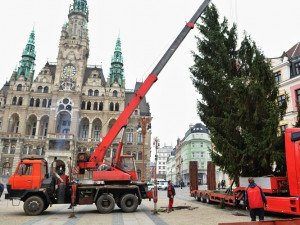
{"x": 143, "y": 121}
{"x": 156, "y": 144}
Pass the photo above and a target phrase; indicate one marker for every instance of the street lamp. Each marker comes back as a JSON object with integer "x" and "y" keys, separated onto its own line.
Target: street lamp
{"x": 143, "y": 121}
{"x": 156, "y": 144}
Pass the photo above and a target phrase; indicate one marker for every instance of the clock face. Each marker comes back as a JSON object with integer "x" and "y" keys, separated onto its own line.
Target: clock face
{"x": 69, "y": 70}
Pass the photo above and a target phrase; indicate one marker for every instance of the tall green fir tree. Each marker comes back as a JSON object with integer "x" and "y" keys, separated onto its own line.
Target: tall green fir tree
{"x": 239, "y": 96}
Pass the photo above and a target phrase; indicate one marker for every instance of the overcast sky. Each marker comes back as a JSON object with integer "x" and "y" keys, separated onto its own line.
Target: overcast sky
{"x": 147, "y": 28}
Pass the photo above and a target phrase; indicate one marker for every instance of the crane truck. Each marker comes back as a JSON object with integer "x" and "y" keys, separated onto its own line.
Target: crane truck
{"x": 282, "y": 193}
{"x": 112, "y": 183}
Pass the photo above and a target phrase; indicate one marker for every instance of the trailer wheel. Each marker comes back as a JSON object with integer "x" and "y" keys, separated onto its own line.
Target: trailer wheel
{"x": 34, "y": 206}
{"x": 129, "y": 203}
{"x": 202, "y": 199}
{"x": 207, "y": 199}
{"x": 105, "y": 203}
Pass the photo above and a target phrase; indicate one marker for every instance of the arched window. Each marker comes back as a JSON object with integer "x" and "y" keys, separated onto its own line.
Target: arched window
{"x": 88, "y": 107}
{"x": 83, "y": 105}
{"x": 114, "y": 152}
{"x": 49, "y": 103}
{"x": 40, "y": 89}
{"x": 20, "y": 101}
{"x": 96, "y": 93}
{"x": 37, "y": 103}
{"x": 117, "y": 107}
{"x": 31, "y": 102}
{"x": 101, "y": 106}
{"x": 140, "y": 156}
{"x": 111, "y": 106}
{"x": 19, "y": 87}
{"x": 95, "y": 106}
{"x": 46, "y": 89}
{"x": 44, "y": 104}
{"x": 90, "y": 92}
{"x": 115, "y": 93}
{"x": 14, "y": 101}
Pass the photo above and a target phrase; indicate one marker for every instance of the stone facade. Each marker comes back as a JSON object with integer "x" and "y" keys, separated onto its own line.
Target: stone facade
{"x": 69, "y": 106}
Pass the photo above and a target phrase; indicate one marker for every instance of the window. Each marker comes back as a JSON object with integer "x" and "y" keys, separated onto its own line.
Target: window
{"x": 88, "y": 107}
{"x": 33, "y": 128}
{"x": 134, "y": 155}
{"x": 97, "y": 129}
{"x": 75, "y": 29}
{"x": 96, "y": 93}
{"x": 90, "y": 92}
{"x": 117, "y": 107}
{"x": 202, "y": 165}
{"x": 297, "y": 68}
{"x": 281, "y": 100}
{"x": 140, "y": 156}
{"x": 283, "y": 127}
{"x": 25, "y": 169}
{"x": 14, "y": 101}
{"x": 114, "y": 152}
{"x": 111, "y": 106}
{"x": 129, "y": 135}
{"x": 20, "y": 101}
{"x": 201, "y": 144}
{"x": 115, "y": 94}
{"x": 83, "y": 105}
{"x": 85, "y": 131}
{"x": 37, "y": 103}
{"x": 49, "y": 103}
{"x": 202, "y": 154}
{"x": 31, "y": 102}
{"x": 108, "y": 153}
{"x": 19, "y": 87}
{"x": 45, "y": 129}
{"x": 140, "y": 138}
{"x": 298, "y": 95}
{"x": 101, "y": 106}
{"x": 44, "y": 104}
{"x": 277, "y": 76}
{"x": 40, "y": 89}
{"x": 46, "y": 89}
{"x": 193, "y": 145}
{"x": 95, "y": 106}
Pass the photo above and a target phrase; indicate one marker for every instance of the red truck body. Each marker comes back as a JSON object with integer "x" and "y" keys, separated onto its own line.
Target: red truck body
{"x": 282, "y": 193}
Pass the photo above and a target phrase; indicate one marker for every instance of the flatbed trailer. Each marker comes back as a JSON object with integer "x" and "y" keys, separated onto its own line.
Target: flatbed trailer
{"x": 282, "y": 193}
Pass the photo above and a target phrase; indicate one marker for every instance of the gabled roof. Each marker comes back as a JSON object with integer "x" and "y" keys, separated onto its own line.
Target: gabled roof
{"x": 295, "y": 50}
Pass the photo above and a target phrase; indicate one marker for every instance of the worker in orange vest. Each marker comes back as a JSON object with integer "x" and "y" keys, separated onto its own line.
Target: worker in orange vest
{"x": 255, "y": 200}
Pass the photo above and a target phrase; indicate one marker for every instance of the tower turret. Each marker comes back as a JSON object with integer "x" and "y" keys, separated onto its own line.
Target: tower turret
{"x": 28, "y": 57}
{"x": 79, "y": 7}
{"x": 116, "y": 70}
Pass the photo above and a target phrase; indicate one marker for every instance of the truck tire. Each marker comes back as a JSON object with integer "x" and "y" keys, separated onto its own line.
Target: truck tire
{"x": 207, "y": 199}
{"x": 34, "y": 206}
{"x": 105, "y": 203}
{"x": 202, "y": 199}
{"x": 129, "y": 203}
{"x": 46, "y": 206}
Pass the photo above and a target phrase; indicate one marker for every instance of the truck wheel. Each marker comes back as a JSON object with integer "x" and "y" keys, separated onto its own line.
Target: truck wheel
{"x": 237, "y": 202}
{"x": 129, "y": 203}
{"x": 207, "y": 199}
{"x": 34, "y": 206}
{"x": 105, "y": 203}
{"x": 201, "y": 198}
{"x": 46, "y": 206}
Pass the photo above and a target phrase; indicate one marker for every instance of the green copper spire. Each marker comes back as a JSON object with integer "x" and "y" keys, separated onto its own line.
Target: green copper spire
{"x": 80, "y": 6}
{"x": 28, "y": 57}
{"x": 116, "y": 70}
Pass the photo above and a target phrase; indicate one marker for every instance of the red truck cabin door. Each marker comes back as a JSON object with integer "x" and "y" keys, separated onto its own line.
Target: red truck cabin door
{"x": 23, "y": 178}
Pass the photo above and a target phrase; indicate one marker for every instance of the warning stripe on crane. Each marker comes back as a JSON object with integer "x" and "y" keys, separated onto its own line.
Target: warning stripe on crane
{"x": 240, "y": 195}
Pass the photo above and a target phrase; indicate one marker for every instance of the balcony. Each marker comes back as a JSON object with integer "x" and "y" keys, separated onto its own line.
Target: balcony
{"x": 10, "y": 135}
{"x": 60, "y": 136}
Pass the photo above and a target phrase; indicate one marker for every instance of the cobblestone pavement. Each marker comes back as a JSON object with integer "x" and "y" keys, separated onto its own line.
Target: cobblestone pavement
{"x": 87, "y": 214}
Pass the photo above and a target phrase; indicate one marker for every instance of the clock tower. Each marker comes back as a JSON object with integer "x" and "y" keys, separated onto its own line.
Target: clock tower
{"x": 73, "y": 49}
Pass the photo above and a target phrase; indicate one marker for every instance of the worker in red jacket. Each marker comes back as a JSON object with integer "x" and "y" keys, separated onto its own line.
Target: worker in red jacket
{"x": 255, "y": 200}
{"x": 171, "y": 194}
